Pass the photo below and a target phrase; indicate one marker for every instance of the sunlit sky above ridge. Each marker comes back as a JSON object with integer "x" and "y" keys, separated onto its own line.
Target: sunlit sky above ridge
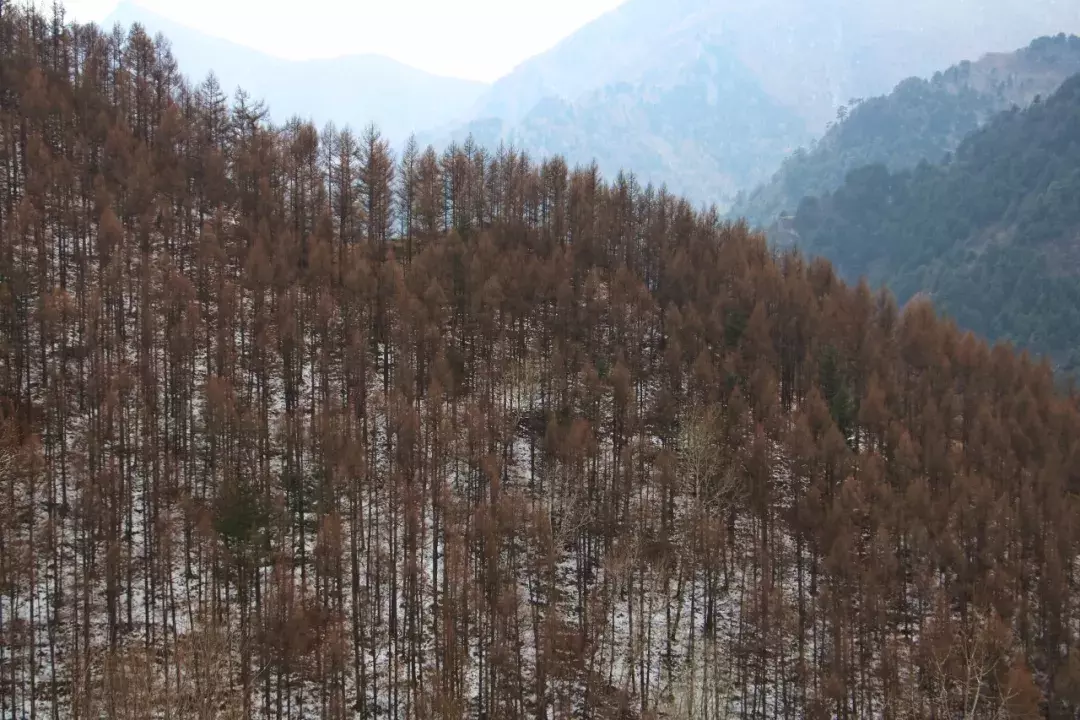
{"x": 474, "y": 39}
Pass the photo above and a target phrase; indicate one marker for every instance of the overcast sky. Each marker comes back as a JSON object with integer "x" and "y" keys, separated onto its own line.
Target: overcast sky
{"x": 475, "y": 39}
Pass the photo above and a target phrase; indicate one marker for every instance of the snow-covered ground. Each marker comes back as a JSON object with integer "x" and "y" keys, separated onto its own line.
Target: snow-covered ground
{"x": 622, "y": 622}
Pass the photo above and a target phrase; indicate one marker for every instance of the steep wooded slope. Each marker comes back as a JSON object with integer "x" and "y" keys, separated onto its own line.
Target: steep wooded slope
{"x": 919, "y": 120}
{"x": 292, "y": 431}
{"x": 991, "y": 235}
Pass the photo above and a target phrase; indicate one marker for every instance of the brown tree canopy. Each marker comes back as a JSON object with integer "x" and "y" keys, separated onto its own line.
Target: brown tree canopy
{"x": 293, "y": 427}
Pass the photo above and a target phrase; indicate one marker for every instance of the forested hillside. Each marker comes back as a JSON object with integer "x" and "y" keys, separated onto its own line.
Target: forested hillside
{"x": 294, "y": 428}
{"x": 989, "y": 235}
{"x": 920, "y": 120}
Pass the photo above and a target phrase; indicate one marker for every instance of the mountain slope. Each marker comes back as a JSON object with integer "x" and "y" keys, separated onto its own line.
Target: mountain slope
{"x": 355, "y": 89}
{"x": 812, "y": 55}
{"x": 992, "y": 235}
{"x": 920, "y": 119}
{"x": 623, "y": 88}
{"x": 576, "y": 450}
{"x": 703, "y": 129}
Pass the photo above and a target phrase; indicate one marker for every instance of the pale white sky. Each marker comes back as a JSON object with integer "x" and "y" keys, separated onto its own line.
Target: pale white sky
{"x": 475, "y": 39}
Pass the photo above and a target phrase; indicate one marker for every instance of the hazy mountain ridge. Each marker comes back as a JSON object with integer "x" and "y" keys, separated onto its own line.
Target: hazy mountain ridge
{"x": 797, "y": 62}
{"x": 355, "y": 89}
{"x": 812, "y": 56}
{"x": 990, "y": 236}
{"x": 622, "y": 89}
{"x": 702, "y": 130}
{"x": 920, "y": 119}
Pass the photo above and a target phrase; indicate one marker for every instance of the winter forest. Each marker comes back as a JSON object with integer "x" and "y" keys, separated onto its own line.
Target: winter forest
{"x": 293, "y": 426}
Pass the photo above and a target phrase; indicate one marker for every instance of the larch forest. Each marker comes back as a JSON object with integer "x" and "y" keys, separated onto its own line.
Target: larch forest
{"x": 294, "y": 426}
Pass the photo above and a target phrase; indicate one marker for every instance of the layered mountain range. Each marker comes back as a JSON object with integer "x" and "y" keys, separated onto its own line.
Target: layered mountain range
{"x": 921, "y": 119}
{"x": 707, "y": 97}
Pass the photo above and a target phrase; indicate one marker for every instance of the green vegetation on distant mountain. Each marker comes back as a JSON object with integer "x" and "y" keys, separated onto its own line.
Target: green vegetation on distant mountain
{"x": 919, "y": 120}
{"x": 991, "y": 234}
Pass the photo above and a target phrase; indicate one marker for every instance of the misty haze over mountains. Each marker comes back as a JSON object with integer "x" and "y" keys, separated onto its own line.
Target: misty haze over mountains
{"x": 706, "y": 96}
{"x": 922, "y": 119}
{"x": 356, "y": 89}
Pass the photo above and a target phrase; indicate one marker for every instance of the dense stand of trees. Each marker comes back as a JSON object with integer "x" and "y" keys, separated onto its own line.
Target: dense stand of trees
{"x": 989, "y": 234}
{"x": 295, "y": 428}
